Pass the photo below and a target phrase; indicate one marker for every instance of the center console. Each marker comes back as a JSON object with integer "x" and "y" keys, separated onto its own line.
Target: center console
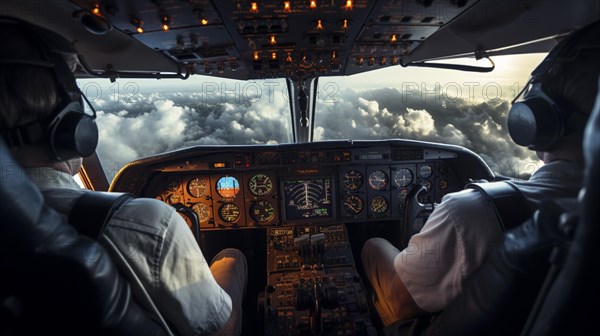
{"x": 313, "y": 287}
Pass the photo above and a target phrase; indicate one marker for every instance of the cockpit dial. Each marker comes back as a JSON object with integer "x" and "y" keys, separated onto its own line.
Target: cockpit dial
{"x": 425, "y": 171}
{"x": 229, "y": 212}
{"x": 228, "y": 186}
{"x": 260, "y": 185}
{"x": 379, "y": 205}
{"x": 203, "y": 212}
{"x": 197, "y": 187}
{"x": 378, "y": 180}
{"x": 262, "y": 211}
{"x": 353, "y": 180}
{"x": 353, "y": 204}
{"x": 174, "y": 199}
{"x": 403, "y": 177}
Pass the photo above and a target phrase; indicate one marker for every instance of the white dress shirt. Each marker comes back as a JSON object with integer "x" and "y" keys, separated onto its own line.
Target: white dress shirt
{"x": 463, "y": 230}
{"x": 162, "y": 250}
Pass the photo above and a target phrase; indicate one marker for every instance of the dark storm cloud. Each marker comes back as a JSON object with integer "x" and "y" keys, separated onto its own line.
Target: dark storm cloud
{"x": 137, "y": 125}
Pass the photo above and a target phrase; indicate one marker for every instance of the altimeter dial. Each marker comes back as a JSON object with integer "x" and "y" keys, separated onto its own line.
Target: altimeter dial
{"x": 197, "y": 187}
{"x": 353, "y": 180}
{"x": 260, "y": 185}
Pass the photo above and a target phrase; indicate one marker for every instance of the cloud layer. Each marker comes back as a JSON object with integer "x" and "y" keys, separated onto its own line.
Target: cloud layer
{"x": 134, "y": 124}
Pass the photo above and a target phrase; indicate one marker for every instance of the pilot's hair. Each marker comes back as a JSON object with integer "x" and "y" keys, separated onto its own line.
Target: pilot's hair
{"x": 573, "y": 79}
{"x": 28, "y": 93}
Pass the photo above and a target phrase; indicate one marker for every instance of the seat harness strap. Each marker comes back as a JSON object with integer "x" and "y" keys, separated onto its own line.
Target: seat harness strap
{"x": 509, "y": 204}
{"x": 93, "y": 210}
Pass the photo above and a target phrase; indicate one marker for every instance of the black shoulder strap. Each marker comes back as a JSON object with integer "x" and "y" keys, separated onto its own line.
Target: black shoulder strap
{"x": 91, "y": 212}
{"x": 509, "y": 204}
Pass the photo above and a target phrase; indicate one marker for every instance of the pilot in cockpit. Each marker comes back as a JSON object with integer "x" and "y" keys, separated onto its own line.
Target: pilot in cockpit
{"x": 550, "y": 119}
{"x": 43, "y": 121}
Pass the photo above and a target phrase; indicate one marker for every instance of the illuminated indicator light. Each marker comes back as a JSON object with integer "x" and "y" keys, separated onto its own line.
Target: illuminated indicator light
{"x": 319, "y": 24}
{"x": 333, "y": 55}
{"x": 313, "y": 4}
{"x": 166, "y": 21}
{"x": 348, "y": 4}
{"x": 288, "y": 59}
{"x": 360, "y": 61}
{"x": 219, "y": 165}
{"x": 287, "y": 6}
{"x": 274, "y": 56}
{"x": 394, "y": 38}
{"x": 272, "y": 40}
{"x": 139, "y": 30}
{"x": 254, "y": 7}
{"x": 204, "y": 21}
{"x": 256, "y": 57}
{"x": 96, "y": 10}
{"x": 345, "y": 25}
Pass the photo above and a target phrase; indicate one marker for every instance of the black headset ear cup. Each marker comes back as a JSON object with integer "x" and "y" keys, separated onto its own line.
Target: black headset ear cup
{"x": 535, "y": 123}
{"x": 73, "y": 134}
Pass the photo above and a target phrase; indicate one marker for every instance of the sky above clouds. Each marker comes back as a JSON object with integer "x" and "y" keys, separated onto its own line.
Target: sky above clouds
{"x": 139, "y": 118}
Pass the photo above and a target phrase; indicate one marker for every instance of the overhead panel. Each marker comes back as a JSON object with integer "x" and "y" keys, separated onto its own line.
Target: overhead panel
{"x": 265, "y": 39}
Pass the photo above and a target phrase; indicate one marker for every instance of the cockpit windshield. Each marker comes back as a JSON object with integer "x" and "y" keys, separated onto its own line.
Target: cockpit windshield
{"x": 143, "y": 117}
{"x": 447, "y": 106}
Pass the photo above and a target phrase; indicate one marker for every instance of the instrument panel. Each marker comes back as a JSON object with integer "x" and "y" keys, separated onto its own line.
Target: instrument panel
{"x": 262, "y": 186}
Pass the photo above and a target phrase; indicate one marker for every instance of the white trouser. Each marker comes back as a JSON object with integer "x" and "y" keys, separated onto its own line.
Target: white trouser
{"x": 230, "y": 270}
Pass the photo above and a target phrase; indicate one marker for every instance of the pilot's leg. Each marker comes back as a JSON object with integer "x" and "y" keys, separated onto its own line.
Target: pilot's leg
{"x": 378, "y": 261}
{"x": 230, "y": 270}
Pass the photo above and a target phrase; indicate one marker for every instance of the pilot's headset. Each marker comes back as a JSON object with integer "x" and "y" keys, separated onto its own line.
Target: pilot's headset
{"x": 536, "y": 119}
{"x": 68, "y": 130}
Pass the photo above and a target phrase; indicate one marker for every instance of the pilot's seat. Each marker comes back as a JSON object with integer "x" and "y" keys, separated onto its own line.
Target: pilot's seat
{"x": 55, "y": 281}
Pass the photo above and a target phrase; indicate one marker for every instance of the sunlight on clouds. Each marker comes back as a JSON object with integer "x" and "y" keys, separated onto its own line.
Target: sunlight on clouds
{"x": 417, "y": 121}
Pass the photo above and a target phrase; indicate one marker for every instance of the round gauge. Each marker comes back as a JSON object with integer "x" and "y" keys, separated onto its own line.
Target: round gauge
{"x": 402, "y": 197}
{"x": 353, "y": 204}
{"x": 352, "y": 180}
{"x": 425, "y": 171}
{"x": 197, "y": 187}
{"x": 203, "y": 212}
{"x": 229, "y": 212}
{"x": 174, "y": 199}
{"x": 172, "y": 185}
{"x": 443, "y": 169}
{"x": 443, "y": 184}
{"x": 260, "y": 185}
{"x": 228, "y": 186}
{"x": 403, "y": 177}
{"x": 262, "y": 211}
{"x": 379, "y": 205}
{"x": 378, "y": 180}
{"x": 426, "y": 184}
